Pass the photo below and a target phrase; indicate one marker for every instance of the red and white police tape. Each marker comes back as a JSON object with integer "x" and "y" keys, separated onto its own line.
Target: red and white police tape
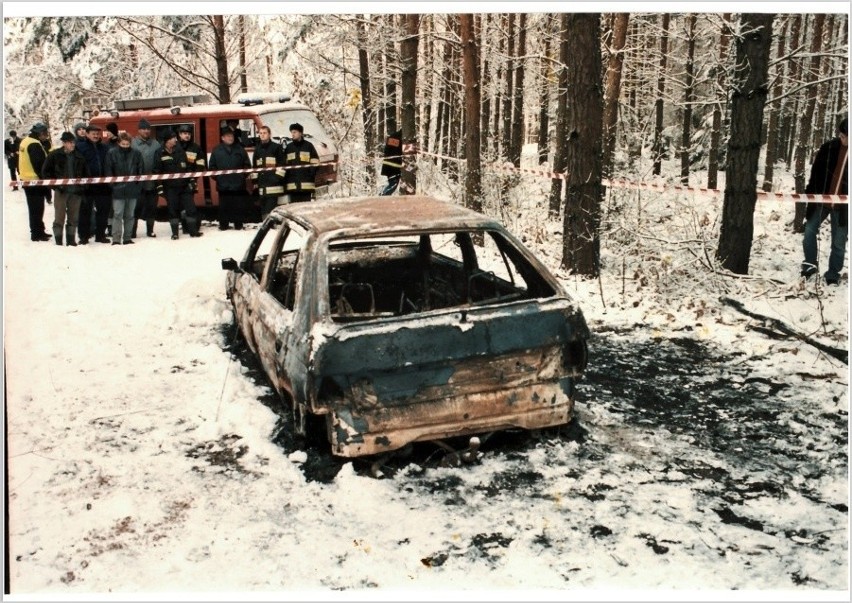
{"x": 410, "y": 149}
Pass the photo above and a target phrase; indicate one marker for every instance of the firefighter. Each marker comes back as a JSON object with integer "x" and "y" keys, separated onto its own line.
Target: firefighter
{"x": 171, "y": 159}
{"x": 196, "y": 159}
{"x": 269, "y": 184}
{"x": 392, "y": 164}
{"x": 299, "y": 181}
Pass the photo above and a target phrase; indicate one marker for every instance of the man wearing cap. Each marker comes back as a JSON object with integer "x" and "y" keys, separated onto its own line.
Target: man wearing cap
{"x": 10, "y": 149}
{"x": 299, "y": 180}
{"x": 231, "y": 187}
{"x": 829, "y": 176}
{"x": 97, "y": 198}
{"x": 170, "y": 159}
{"x": 31, "y": 156}
{"x": 66, "y": 162}
{"x": 146, "y": 204}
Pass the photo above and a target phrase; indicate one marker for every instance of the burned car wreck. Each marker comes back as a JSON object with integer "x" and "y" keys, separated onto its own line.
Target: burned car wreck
{"x": 404, "y": 319}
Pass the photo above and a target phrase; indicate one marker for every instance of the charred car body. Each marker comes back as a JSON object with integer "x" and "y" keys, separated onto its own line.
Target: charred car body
{"x": 405, "y": 319}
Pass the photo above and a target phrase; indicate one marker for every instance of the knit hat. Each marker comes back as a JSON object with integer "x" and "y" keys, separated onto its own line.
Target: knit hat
{"x": 843, "y": 126}
{"x": 143, "y": 124}
{"x": 38, "y": 128}
{"x": 12, "y": 133}
{"x": 80, "y": 125}
{"x": 185, "y": 128}
{"x": 168, "y": 134}
{"x": 112, "y": 127}
{"x": 225, "y": 130}
{"x": 67, "y": 137}
{"x": 297, "y": 127}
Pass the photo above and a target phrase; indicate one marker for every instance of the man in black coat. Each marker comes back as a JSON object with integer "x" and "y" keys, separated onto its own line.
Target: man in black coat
{"x": 829, "y": 176}
{"x": 233, "y": 198}
{"x": 10, "y": 149}
{"x": 61, "y": 163}
{"x": 97, "y": 197}
{"x": 31, "y": 157}
{"x": 303, "y": 159}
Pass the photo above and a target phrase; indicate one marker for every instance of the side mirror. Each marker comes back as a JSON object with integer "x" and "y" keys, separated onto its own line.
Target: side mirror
{"x": 230, "y": 264}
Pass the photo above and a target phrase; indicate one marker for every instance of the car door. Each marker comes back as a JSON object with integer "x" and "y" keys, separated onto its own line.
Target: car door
{"x": 246, "y": 292}
{"x": 274, "y": 325}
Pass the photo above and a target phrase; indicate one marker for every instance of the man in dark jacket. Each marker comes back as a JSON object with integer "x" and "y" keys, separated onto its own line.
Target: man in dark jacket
{"x": 97, "y": 198}
{"x": 170, "y": 159}
{"x": 31, "y": 157}
{"x": 10, "y": 149}
{"x": 146, "y": 204}
{"x": 270, "y": 182}
{"x": 232, "y": 187}
{"x": 299, "y": 181}
{"x": 392, "y": 163}
{"x": 123, "y": 160}
{"x": 829, "y": 176}
{"x": 61, "y": 163}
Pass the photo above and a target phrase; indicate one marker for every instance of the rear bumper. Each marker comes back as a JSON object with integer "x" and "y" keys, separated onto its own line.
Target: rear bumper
{"x": 383, "y": 429}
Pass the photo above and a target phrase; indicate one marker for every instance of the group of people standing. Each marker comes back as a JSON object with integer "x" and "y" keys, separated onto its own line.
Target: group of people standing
{"x": 84, "y": 210}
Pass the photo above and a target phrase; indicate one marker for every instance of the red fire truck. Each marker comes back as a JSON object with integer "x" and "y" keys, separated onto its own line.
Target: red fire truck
{"x": 252, "y": 110}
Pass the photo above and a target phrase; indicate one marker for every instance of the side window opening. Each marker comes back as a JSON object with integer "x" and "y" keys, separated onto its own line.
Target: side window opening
{"x": 284, "y": 269}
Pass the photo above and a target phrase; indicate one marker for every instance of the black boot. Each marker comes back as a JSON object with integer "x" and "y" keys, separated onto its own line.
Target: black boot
{"x": 149, "y": 224}
{"x": 70, "y": 236}
{"x": 174, "y": 223}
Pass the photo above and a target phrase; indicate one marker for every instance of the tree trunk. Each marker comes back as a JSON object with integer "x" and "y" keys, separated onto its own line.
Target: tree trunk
{"x": 472, "y": 100}
{"x": 518, "y": 137}
{"x": 774, "y": 115}
{"x": 754, "y": 43}
{"x": 791, "y": 105}
{"x": 661, "y": 88}
{"x": 560, "y": 158}
{"x": 367, "y": 113}
{"x": 241, "y": 21}
{"x": 408, "y": 58}
{"x": 508, "y": 90}
{"x": 390, "y": 81}
{"x": 544, "y": 94}
{"x": 224, "y": 86}
{"x": 612, "y": 91}
{"x": 822, "y": 95}
{"x": 688, "y": 99}
{"x": 718, "y": 106}
{"x": 581, "y": 239}
{"x": 805, "y": 122}
{"x": 485, "y": 118}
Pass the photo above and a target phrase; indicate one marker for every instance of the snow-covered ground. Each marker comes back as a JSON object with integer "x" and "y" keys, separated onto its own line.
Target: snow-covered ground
{"x": 709, "y": 460}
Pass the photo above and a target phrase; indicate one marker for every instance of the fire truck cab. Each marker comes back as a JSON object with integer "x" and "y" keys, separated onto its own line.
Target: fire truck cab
{"x": 251, "y": 110}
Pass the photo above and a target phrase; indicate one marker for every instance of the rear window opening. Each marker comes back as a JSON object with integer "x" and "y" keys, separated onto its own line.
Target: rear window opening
{"x": 403, "y": 275}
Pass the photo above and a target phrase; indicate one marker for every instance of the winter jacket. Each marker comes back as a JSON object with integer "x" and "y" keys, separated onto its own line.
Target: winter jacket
{"x": 300, "y": 152}
{"x": 196, "y": 159}
{"x": 148, "y": 148}
{"x": 125, "y": 162}
{"x": 56, "y": 166}
{"x": 95, "y": 155}
{"x": 31, "y": 158}
{"x": 270, "y": 182}
{"x": 173, "y": 162}
{"x": 229, "y": 157}
{"x": 822, "y": 172}
{"x": 10, "y": 147}
{"x": 392, "y": 164}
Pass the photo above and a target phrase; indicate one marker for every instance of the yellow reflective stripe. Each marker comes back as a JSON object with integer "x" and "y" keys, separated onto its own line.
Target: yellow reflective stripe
{"x": 281, "y": 172}
{"x": 308, "y": 186}
{"x": 392, "y": 163}
{"x": 272, "y": 190}
{"x": 201, "y": 162}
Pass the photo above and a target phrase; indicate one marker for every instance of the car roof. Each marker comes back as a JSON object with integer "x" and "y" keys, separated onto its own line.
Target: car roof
{"x": 362, "y": 216}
